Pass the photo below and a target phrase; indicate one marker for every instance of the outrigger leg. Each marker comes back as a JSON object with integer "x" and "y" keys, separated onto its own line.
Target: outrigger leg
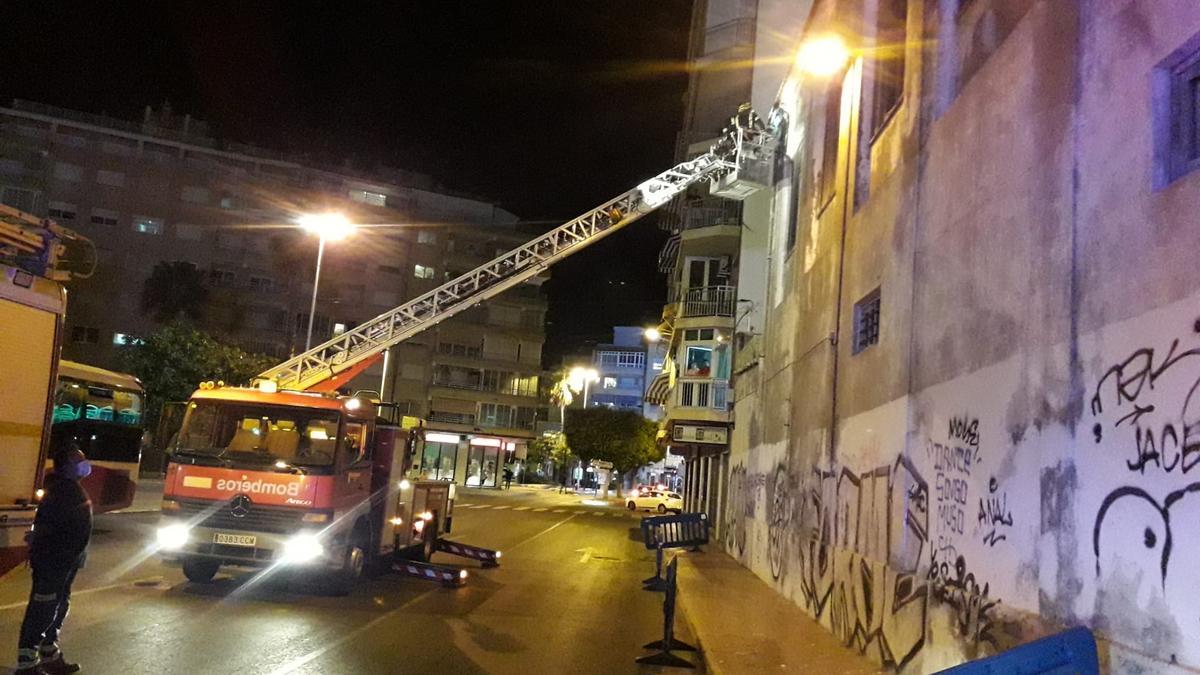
{"x": 451, "y": 577}
{"x": 487, "y": 556}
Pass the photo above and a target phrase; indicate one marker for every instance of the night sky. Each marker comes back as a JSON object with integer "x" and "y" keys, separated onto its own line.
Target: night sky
{"x": 547, "y": 108}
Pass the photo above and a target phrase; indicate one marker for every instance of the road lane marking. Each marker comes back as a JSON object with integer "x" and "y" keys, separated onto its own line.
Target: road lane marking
{"x": 520, "y": 508}
{"x": 500, "y": 506}
{"x": 598, "y": 514}
{"x": 291, "y": 666}
{"x": 540, "y": 510}
{"x": 529, "y": 539}
{"x": 559, "y": 511}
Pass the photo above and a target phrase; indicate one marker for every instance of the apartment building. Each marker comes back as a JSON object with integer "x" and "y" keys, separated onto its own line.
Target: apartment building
{"x": 964, "y": 414}
{"x": 625, "y": 367}
{"x": 701, "y": 257}
{"x": 163, "y": 190}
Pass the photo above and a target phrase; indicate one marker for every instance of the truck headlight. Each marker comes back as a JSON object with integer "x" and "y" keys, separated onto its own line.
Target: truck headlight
{"x": 172, "y": 537}
{"x": 303, "y": 548}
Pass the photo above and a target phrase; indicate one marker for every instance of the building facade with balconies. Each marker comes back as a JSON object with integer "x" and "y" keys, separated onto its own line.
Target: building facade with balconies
{"x": 701, "y": 260}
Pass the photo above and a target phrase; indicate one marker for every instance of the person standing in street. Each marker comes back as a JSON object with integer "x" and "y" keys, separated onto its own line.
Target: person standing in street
{"x": 508, "y": 476}
{"x": 57, "y": 549}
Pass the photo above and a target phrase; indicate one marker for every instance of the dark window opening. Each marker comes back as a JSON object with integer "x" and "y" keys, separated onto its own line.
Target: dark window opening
{"x": 866, "y": 321}
{"x": 830, "y": 140}
{"x": 891, "y": 34}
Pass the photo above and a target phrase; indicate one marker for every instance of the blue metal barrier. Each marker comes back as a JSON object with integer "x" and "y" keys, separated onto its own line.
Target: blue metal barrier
{"x": 1068, "y": 653}
{"x": 668, "y": 643}
{"x": 684, "y": 530}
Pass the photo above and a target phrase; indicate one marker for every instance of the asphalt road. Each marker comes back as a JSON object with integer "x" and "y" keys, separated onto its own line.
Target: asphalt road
{"x": 566, "y": 599}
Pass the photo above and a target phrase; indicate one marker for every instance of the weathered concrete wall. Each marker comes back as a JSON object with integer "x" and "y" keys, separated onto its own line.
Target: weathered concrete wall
{"x": 1014, "y": 455}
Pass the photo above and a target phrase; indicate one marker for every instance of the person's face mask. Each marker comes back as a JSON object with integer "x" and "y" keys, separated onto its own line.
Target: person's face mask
{"x": 78, "y": 470}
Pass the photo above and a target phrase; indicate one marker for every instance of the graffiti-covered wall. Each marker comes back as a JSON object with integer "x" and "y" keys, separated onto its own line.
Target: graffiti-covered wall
{"x": 1019, "y": 449}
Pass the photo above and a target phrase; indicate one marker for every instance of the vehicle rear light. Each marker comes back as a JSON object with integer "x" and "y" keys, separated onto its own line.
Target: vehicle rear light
{"x": 170, "y": 505}
{"x": 315, "y": 518}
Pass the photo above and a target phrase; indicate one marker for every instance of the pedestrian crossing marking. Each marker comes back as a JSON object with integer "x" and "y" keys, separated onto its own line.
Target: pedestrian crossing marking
{"x": 597, "y": 513}
{"x": 539, "y": 510}
{"x": 501, "y": 506}
{"x": 520, "y": 508}
{"x": 559, "y": 511}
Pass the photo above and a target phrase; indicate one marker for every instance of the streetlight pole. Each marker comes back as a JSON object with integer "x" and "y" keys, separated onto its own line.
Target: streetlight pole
{"x": 312, "y": 310}
{"x": 327, "y": 227}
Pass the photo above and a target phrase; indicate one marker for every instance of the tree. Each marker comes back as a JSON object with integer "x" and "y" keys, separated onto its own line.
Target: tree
{"x": 174, "y": 290}
{"x": 176, "y": 358}
{"x": 551, "y": 448}
{"x": 622, "y": 437}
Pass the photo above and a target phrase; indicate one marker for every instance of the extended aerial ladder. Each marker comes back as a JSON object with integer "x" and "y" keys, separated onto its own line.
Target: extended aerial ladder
{"x": 736, "y": 165}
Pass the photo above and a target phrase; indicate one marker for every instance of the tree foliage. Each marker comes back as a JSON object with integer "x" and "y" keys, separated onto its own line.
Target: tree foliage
{"x": 622, "y": 437}
{"x": 174, "y": 290}
{"x": 173, "y": 360}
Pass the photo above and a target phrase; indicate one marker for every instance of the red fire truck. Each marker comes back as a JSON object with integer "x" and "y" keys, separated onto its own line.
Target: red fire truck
{"x": 295, "y": 479}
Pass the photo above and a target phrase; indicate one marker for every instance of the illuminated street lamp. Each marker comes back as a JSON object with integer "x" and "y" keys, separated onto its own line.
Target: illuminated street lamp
{"x": 652, "y": 334}
{"x": 580, "y": 378}
{"x": 823, "y": 56}
{"x": 328, "y": 227}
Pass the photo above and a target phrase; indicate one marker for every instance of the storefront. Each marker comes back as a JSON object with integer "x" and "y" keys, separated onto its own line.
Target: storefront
{"x": 467, "y": 459}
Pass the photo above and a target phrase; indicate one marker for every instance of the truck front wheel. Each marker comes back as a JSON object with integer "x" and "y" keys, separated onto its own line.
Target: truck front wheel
{"x": 200, "y": 570}
{"x": 353, "y": 564}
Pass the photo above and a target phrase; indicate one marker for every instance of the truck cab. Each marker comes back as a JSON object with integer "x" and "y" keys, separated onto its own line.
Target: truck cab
{"x": 294, "y": 479}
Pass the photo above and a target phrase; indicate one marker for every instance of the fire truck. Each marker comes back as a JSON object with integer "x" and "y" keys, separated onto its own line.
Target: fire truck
{"x": 33, "y": 302}
{"x": 286, "y": 473}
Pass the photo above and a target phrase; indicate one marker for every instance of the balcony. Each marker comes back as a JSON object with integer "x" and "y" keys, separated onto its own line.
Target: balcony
{"x": 708, "y": 301}
{"x": 703, "y": 393}
{"x": 452, "y": 418}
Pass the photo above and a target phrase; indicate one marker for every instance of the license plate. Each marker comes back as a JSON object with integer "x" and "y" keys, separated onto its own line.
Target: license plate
{"x": 235, "y": 539}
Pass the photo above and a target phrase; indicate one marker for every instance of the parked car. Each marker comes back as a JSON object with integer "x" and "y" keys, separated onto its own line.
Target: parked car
{"x": 656, "y": 500}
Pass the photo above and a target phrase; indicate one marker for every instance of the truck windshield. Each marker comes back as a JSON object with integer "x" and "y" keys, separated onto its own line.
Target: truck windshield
{"x": 259, "y": 433}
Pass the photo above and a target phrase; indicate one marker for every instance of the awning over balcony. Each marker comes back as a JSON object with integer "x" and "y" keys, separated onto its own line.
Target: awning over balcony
{"x": 669, "y": 255}
{"x": 660, "y": 389}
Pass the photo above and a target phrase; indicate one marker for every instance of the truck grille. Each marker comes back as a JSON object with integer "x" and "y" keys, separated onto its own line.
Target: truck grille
{"x": 259, "y": 518}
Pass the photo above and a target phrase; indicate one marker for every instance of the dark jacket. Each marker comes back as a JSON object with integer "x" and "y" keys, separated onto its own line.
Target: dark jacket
{"x": 62, "y": 527}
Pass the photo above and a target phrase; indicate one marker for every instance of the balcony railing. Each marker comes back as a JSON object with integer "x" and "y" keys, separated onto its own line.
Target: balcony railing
{"x": 695, "y": 217}
{"x": 709, "y": 301}
{"x": 451, "y": 418}
{"x": 706, "y": 393}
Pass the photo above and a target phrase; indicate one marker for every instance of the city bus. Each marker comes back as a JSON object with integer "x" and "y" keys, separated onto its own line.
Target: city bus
{"x": 103, "y": 411}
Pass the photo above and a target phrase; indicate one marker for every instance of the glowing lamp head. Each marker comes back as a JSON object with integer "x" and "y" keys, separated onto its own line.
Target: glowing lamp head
{"x": 353, "y": 404}
{"x": 823, "y": 56}
{"x": 268, "y": 386}
{"x": 329, "y": 226}
{"x": 405, "y": 484}
{"x": 653, "y": 334}
{"x": 39, "y": 494}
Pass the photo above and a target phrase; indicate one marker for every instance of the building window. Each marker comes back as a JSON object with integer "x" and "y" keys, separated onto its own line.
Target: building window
{"x": 422, "y": 272}
{"x": 610, "y": 383}
{"x": 61, "y": 211}
{"x": 218, "y": 277}
{"x": 887, "y": 82}
{"x": 699, "y": 362}
{"x": 1184, "y": 117}
{"x": 827, "y": 178}
{"x": 866, "y": 321}
{"x": 228, "y": 202}
{"x": 111, "y": 178}
{"x": 261, "y": 284}
{"x": 366, "y": 197}
{"x": 70, "y": 172}
{"x": 125, "y": 339}
{"x": 85, "y": 335}
{"x": 104, "y": 217}
{"x": 146, "y": 225}
{"x": 426, "y": 237}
